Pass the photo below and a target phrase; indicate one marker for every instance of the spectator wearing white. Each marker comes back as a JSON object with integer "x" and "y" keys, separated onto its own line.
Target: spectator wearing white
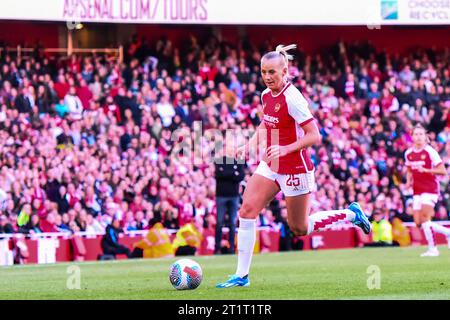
{"x": 74, "y": 104}
{"x": 96, "y": 88}
{"x": 350, "y": 86}
{"x": 29, "y": 94}
{"x": 429, "y": 72}
{"x": 165, "y": 110}
{"x": 330, "y": 102}
{"x": 3, "y": 199}
{"x": 3, "y": 110}
{"x": 75, "y": 133}
{"x": 93, "y": 226}
{"x": 406, "y": 75}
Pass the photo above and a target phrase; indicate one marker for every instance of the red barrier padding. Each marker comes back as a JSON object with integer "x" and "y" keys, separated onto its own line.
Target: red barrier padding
{"x": 66, "y": 248}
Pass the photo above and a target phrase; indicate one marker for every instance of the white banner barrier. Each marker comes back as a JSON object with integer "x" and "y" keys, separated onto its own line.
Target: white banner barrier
{"x": 67, "y": 235}
{"x": 251, "y": 12}
{"x": 6, "y": 255}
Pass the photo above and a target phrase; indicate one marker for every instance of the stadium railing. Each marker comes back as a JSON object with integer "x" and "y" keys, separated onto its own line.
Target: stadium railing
{"x": 24, "y": 52}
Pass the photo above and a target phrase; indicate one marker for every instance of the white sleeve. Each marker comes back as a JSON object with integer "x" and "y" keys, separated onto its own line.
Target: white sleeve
{"x": 262, "y": 95}
{"x": 298, "y": 106}
{"x": 434, "y": 155}
{"x": 406, "y": 158}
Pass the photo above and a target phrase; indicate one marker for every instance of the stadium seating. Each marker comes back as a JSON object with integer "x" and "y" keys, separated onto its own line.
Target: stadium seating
{"x": 85, "y": 138}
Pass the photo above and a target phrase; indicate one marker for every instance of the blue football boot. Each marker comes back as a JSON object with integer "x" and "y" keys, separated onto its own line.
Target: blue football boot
{"x": 235, "y": 281}
{"x": 360, "y": 218}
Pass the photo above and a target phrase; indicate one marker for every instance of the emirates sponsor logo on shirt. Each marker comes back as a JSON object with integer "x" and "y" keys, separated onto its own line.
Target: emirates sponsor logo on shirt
{"x": 271, "y": 119}
{"x": 415, "y": 164}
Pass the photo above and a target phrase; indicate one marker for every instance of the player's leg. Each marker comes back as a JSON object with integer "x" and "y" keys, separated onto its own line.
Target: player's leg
{"x": 429, "y": 201}
{"x": 301, "y": 223}
{"x": 258, "y": 193}
{"x": 426, "y": 212}
{"x": 440, "y": 229}
{"x": 297, "y": 189}
{"x": 417, "y": 218}
{"x": 298, "y": 208}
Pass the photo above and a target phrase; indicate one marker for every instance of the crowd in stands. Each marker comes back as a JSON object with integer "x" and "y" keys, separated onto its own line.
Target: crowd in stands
{"x": 87, "y": 139}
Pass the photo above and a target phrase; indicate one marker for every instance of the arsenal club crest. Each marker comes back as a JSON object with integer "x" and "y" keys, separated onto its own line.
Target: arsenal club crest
{"x": 422, "y": 157}
{"x": 277, "y": 107}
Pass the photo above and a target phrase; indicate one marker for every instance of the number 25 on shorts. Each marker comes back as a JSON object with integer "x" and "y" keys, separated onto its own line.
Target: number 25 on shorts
{"x": 293, "y": 181}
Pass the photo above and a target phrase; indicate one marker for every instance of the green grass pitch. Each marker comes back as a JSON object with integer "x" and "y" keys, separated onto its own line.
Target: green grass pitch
{"x": 326, "y": 274}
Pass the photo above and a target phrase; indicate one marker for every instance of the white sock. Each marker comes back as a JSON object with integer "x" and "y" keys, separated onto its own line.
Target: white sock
{"x": 246, "y": 245}
{"x": 429, "y": 235}
{"x": 323, "y": 220}
{"x": 439, "y": 229}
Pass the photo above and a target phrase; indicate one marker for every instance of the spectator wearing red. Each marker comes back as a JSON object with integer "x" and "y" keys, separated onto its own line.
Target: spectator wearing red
{"x": 137, "y": 205}
{"x": 208, "y": 72}
{"x": 48, "y": 224}
{"x": 389, "y": 103}
{"x": 61, "y": 86}
{"x": 84, "y": 93}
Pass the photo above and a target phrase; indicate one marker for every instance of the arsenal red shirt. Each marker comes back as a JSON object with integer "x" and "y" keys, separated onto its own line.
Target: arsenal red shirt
{"x": 284, "y": 116}
{"x": 428, "y": 158}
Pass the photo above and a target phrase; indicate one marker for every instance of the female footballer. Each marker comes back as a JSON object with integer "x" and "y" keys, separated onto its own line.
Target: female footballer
{"x": 424, "y": 165}
{"x": 287, "y": 129}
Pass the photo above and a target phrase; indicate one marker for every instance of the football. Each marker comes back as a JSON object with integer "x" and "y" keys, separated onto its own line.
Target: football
{"x": 185, "y": 274}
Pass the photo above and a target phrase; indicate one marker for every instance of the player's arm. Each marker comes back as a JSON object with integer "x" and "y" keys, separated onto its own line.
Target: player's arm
{"x": 258, "y": 138}
{"x": 311, "y": 137}
{"x": 438, "y": 167}
{"x": 408, "y": 177}
{"x": 438, "y": 170}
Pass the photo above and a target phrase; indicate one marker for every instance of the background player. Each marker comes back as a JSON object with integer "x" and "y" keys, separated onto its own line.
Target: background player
{"x": 424, "y": 164}
{"x": 288, "y": 129}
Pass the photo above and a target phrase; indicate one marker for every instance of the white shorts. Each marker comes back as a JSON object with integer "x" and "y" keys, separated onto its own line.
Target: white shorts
{"x": 290, "y": 184}
{"x": 425, "y": 198}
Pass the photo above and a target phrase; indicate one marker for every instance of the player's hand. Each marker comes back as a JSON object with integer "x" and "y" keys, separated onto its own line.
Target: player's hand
{"x": 276, "y": 151}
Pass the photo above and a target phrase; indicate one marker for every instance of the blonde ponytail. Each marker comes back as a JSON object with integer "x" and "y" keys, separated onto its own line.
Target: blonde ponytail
{"x": 281, "y": 49}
